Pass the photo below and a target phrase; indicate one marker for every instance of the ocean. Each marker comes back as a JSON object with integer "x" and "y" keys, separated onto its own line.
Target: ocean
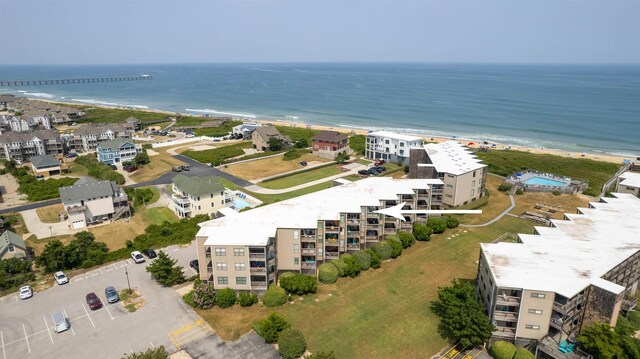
{"x": 580, "y": 108}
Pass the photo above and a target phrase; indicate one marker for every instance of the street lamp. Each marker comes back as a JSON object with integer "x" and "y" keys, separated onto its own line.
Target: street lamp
{"x": 127, "y": 274}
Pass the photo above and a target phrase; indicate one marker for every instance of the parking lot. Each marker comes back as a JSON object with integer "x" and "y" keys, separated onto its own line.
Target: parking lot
{"x": 26, "y": 326}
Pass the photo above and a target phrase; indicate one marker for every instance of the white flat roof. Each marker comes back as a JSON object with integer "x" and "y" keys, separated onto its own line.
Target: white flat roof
{"x": 631, "y": 179}
{"x": 254, "y": 227}
{"x": 396, "y": 136}
{"x": 573, "y": 255}
{"x": 452, "y": 157}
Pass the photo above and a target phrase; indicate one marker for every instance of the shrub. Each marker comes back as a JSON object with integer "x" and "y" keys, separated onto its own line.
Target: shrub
{"x": 270, "y": 327}
{"x": 437, "y": 224}
{"x": 225, "y": 298}
{"x": 285, "y": 275}
{"x": 421, "y": 231}
{"x": 328, "y": 273}
{"x": 188, "y": 298}
{"x": 204, "y": 296}
{"x": 340, "y": 266}
{"x": 505, "y": 187}
{"x": 247, "y": 299}
{"x": 291, "y": 344}
{"x": 556, "y": 193}
{"x": 321, "y": 355}
{"x": 634, "y": 319}
{"x": 383, "y": 249}
{"x": 293, "y": 154}
{"x": 502, "y": 350}
{"x": 452, "y": 222}
{"x": 99, "y": 170}
{"x": 147, "y": 146}
{"x": 151, "y": 353}
{"x": 375, "y": 258}
{"x": 299, "y": 284}
{"x": 396, "y": 246}
{"x": 275, "y": 296}
{"x": 519, "y": 192}
{"x": 352, "y": 266}
{"x": 522, "y": 353}
{"x": 407, "y": 239}
{"x": 363, "y": 258}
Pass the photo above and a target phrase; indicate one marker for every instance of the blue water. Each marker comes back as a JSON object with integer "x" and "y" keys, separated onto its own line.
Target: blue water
{"x": 240, "y": 204}
{"x": 541, "y": 181}
{"x": 577, "y": 108}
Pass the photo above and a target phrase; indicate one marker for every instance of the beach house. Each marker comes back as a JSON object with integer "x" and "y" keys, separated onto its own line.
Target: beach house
{"x": 389, "y": 146}
{"x": 192, "y": 196}
{"x": 463, "y": 174}
{"x": 87, "y": 137}
{"x": 116, "y": 151}
{"x": 45, "y": 165}
{"x": 244, "y": 130}
{"x": 90, "y": 201}
{"x": 246, "y": 250}
{"x": 545, "y": 288}
{"x": 261, "y": 135}
{"x": 21, "y": 146}
{"x": 12, "y": 246}
{"x": 328, "y": 144}
{"x": 629, "y": 182}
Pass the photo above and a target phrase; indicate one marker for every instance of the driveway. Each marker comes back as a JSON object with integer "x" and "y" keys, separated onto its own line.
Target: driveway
{"x": 164, "y": 319}
{"x": 44, "y": 230}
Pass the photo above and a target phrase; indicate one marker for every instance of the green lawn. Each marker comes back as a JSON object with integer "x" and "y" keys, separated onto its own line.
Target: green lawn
{"x": 158, "y": 215}
{"x": 218, "y": 155}
{"x": 302, "y": 177}
{"x": 596, "y": 173}
{"x": 298, "y": 133}
{"x": 383, "y": 313}
{"x": 272, "y": 198}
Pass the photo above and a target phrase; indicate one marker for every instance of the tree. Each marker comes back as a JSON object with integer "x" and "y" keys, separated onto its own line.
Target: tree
{"x": 407, "y": 239}
{"x": 274, "y": 296}
{"x": 461, "y": 315}
{"x": 321, "y": 355}
{"x": 247, "y": 299}
{"x": 421, "y": 231}
{"x": 270, "y": 327}
{"x": 342, "y": 157}
{"x": 375, "y": 258}
{"x": 634, "y": 319}
{"x": 522, "y": 353}
{"x": 291, "y": 344}
{"x": 299, "y": 284}
{"x": 383, "y": 250}
{"x": 328, "y": 273}
{"x": 275, "y": 144}
{"x": 151, "y": 353}
{"x": 165, "y": 271}
{"x": 352, "y": 266}
{"x": 451, "y": 221}
{"x": 363, "y": 258}
{"x": 225, "y": 298}
{"x": 142, "y": 158}
{"x": 602, "y": 341}
{"x": 396, "y": 246}
{"x": 301, "y": 143}
{"x": 204, "y": 295}
{"x": 53, "y": 257}
{"x": 502, "y": 350}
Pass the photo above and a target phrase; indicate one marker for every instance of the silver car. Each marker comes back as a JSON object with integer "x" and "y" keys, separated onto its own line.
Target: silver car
{"x": 111, "y": 294}
{"x": 61, "y": 278}
{"x": 26, "y": 292}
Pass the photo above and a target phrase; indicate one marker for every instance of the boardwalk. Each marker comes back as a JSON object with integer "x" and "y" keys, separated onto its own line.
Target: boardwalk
{"x": 73, "y": 81}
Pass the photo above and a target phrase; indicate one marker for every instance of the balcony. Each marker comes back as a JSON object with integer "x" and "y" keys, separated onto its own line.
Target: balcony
{"x": 505, "y": 332}
{"x": 258, "y": 284}
{"x": 309, "y": 251}
{"x": 507, "y": 300}
{"x": 257, "y": 269}
{"x": 308, "y": 265}
{"x": 550, "y": 347}
{"x": 560, "y": 308}
{"x": 308, "y": 239}
{"x": 506, "y": 316}
{"x": 556, "y": 323}
{"x": 329, "y": 228}
{"x": 629, "y": 304}
{"x": 256, "y": 255}
{"x": 76, "y": 209}
{"x": 180, "y": 200}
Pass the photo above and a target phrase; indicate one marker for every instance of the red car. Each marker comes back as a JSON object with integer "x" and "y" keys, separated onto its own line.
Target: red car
{"x": 379, "y": 163}
{"x": 93, "y": 301}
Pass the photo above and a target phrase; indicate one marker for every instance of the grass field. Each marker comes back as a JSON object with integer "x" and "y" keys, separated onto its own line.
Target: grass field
{"x": 497, "y": 203}
{"x": 298, "y": 133}
{"x": 99, "y": 114}
{"x": 596, "y": 173}
{"x": 267, "y": 167}
{"x": 50, "y": 214}
{"x": 38, "y": 244}
{"x": 382, "y": 313}
{"x": 302, "y": 177}
{"x": 76, "y": 169}
{"x": 218, "y": 155}
{"x": 272, "y": 198}
{"x": 159, "y": 164}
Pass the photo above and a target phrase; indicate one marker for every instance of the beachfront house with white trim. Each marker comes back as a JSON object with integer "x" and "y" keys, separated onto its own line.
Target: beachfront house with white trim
{"x": 389, "y": 146}
{"x": 193, "y": 195}
{"x": 463, "y": 174}
{"x": 547, "y": 286}
{"x": 629, "y": 182}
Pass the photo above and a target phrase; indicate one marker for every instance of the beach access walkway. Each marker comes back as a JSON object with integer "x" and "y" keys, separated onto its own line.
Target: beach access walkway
{"x": 497, "y": 218}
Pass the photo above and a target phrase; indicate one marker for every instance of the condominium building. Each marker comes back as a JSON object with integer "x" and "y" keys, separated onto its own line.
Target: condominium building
{"x": 463, "y": 174}
{"x": 246, "y": 250}
{"x": 21, "y": 146}
{"x": 629, "y": 182}
{"x": 90, "y": 201}
{"x": 551, "y": 284}
{"x": 87, "y": 137}
{"x": 389, "y": 146}
{"x": 192, "y": 196}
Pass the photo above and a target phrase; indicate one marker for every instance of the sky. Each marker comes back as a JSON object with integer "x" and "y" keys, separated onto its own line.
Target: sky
{"x": 213, "y": 31}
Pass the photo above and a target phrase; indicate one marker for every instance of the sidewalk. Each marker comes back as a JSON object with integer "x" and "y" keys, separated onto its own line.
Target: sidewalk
{"x": 257, "y": 189}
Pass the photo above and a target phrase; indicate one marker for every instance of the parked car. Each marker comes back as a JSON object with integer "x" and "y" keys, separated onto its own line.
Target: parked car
{"x": 137, "y": 257}
{"x": 93, "y": 301}
{"x": 379, "y": 162}
{"x": 176, "y": 168}
{"x": 190, "y": 135}
{"x": 303, "y": 163}
{"x": 72, "y": 155}
{"x": 150, "y": 253}
{"x": 39, "y": 177}
{"x": 363, "y": 172}
{"x": 111, "y": 294}
{"x": 26, "y": 292}
{"x": 380, "y": 168}
{"x": 372, "y": 171}
{"x": 131, "y": 168}
{"x": 60, "y": 322}
{"x": 185, "y": 167}
{"x": 194, "y": 264}
{"x": 61, "y": 278}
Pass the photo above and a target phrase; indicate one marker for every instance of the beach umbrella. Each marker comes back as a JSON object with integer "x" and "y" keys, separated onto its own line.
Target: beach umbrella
{"x": 471, "y": 144}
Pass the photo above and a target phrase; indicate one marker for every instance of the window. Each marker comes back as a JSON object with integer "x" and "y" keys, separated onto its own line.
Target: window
{"x": 296, "y": 234}
{"x": 474, "y": 174}
{"x": 473, "y": 183}
{"x": 212, "y": 195}
{"x": 449, "y": 186}
{"x": 538, "y": 295}
{"x": 11, "y": 248}
{"x": 240, "y": 266}
{"x": 296, "y": 248}
{"x": 296, "y": 260}
{"x": 535, "y": 311}
{"x": 213, "y": 204}
{"x": 473, "y": 192}
{"x": 241, "y": 280}
{"x": 531, "y": 326}
{"x": 238, "y": 252}
{"x": 221, "y": 266}
{"x": 221, "y": 251}
{"x": 223, "y": 280}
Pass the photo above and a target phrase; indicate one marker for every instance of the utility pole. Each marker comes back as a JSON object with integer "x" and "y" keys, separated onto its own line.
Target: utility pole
{"x": 127, "y": 274}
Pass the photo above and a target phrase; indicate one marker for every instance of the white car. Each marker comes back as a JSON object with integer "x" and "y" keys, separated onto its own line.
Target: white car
{"x": 137, "y": 257}
{"x": 26, "y": 292}
{"x": 61, "y": 278}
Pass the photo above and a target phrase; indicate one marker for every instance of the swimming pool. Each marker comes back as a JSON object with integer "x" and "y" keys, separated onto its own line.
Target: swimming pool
{"x": 240, "y": 204}
{"x": 542, "y": 181}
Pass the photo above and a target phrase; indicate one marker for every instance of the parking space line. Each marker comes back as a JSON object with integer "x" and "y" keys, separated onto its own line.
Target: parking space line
{"x": 25, "y": 337}
{"x": 153, "y": 346}
{"x": 106, "y": 306}
{"x": 66, "y": 316}
{"x": 16, "y": 296}
{"x": 48, "y": 331}
{"x": 2, "y": 341}
{"x": 129, "y": 263}
{"x": 115, "y": 266}
{"x": 101, "y": 272}
{"x": 88, "y": 316}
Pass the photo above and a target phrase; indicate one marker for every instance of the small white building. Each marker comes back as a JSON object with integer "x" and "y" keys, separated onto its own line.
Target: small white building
{"x": 629, "y": 182}
{"x": 390, "y": 146}
{"x": 245, "y": 129}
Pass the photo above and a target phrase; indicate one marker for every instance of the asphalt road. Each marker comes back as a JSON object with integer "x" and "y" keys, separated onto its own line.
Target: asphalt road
{"x": 26, "y": 327}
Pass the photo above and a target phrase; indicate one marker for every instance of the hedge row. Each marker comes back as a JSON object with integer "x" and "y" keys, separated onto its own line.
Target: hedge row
{"x": 205, "y": 296}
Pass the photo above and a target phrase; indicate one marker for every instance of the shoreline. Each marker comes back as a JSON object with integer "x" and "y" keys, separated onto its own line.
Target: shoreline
{"x": 618, "y": 159}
